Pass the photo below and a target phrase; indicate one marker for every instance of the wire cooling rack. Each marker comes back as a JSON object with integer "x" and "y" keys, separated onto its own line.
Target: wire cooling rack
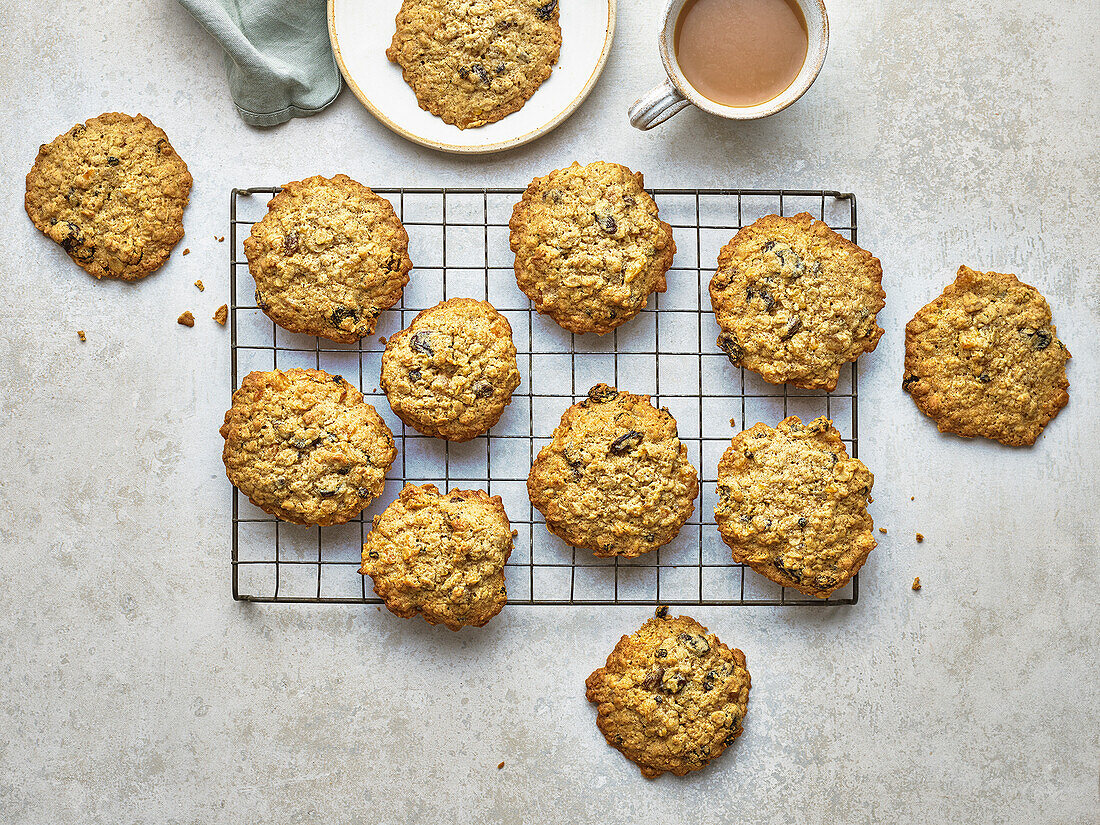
{"x": 458, "y": 241}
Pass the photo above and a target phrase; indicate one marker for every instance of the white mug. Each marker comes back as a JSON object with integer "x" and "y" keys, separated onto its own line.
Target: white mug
{"x": 676, "y": 93}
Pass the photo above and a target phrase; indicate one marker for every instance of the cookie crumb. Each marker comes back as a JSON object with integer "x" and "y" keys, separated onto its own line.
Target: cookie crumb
{"x": 661, "y": 612}
{"x": 882, "y": 530}
{"x": 912, "y": 498}
{"x": 186, "y": 252}
{"x": 221, "y": 314}
{"x": 920, "y": 538}
{"x": 501, "y": 765}
{"x": 382, "y": 340}
{"x": 916, "y": 583}
{"x": 219, "y": 240}
{"x": 80, "y": 334}
{"x": 187, "y": 319}
{"x": 200, "y": 286}
{"x": 733, "y": 423}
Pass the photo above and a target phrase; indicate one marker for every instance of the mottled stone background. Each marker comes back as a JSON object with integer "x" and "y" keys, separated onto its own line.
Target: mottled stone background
{"x": 135, "y": 690}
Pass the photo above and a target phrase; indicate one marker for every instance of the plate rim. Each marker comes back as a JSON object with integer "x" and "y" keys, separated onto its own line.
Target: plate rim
{"x": 486, "y": 148}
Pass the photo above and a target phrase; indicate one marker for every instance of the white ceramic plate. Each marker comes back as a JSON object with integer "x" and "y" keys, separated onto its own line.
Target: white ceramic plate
{"x": 361, "y": 31}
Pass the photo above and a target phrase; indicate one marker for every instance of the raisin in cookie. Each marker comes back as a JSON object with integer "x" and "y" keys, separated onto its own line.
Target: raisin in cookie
{"x": 328, "y": 257}
{"x": 984, "y": 359}
{"x": 671, "y": 696}
{"x": 452, "y": 372}
{"x": 589, "y": 246}
{"x": 472, "y": 62}
{"x": 111, "y": 191}
{"x": 615, "y": 478}
{"x": 793, "y": 505}
{"x": 303, "y": 445}
{"x": 440, "y": 555}
{"x": 795, "y": 301}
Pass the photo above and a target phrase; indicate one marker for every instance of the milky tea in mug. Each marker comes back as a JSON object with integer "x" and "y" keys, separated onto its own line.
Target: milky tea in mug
{"x": 741, "y": 52}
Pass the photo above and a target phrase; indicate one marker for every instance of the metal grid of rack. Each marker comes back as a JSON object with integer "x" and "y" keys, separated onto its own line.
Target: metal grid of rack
{"x": 459, "y": 247}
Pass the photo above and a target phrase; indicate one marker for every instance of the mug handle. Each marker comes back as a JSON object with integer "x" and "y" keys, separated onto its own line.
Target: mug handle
{"x": 656, "y": 106}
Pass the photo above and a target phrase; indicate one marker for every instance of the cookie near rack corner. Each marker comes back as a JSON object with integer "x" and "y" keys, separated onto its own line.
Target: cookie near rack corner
{"x": 792, "y": 505}
{"x": 328, "y": 257}
{"x": 795, "y": 301}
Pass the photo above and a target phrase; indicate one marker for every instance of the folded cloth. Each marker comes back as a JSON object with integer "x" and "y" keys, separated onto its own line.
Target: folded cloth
{"x": 277, "y": 54}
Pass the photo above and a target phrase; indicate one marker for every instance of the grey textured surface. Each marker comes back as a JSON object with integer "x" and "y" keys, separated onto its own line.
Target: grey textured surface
{"x": 136, "y": 690}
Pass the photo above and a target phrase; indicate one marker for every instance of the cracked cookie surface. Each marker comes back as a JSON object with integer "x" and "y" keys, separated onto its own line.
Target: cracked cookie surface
{"x": 111, "y": 191}
{"x": 472, "y": 62}
{"x": 452, "y": 372}
{"x": 671, "y": 697}
{"x": 303, "y": 445}
{"x": 615, "y": 478}
{"x": 589, "y": 246}
{"x": 792, "y": 505}
{"x": 328, "y": 257}
{"x": 984, "y": 359}
{"x": 440, "y": 555}
{"x": 795, "y": 301}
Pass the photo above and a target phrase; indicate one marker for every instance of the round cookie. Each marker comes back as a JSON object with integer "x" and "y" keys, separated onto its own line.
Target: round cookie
{"x": 303, "y": 445}
{"x": 671, "y": 697}
{"x": 452, "y": 372}
{"x": 328, "y": 257}
{"x": 984, "y": 359}
{"x": 793, "y": 505}
{"x": 615, "y": 478}
{"x": 111, "y": 191}
{"x": 440, "y": 555}
{"x": 795, "y": 301}
{"x": 472, "y": 62}
{"x": 589, "y": 246}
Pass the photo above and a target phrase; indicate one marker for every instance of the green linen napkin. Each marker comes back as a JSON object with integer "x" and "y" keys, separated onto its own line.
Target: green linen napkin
{"x": 277, "y": 55}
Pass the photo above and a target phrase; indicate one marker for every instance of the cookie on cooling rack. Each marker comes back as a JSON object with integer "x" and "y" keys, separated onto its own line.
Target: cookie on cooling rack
{"x": 589, "y": 246}
{"x": 793, "y": 505}
{"x": 452, "y": 372}
{"x": 795, "y": 301}
{"x": 303, "y": 445}
{"x": 984, "y": 359}
{"x": 475, "y": 63}
{"x": 328, "y": 257}
{"x": 111, "y": 191}
{"x": 440, "y": 555}
{"x": 671, "y": 697}
{"x": 615, "y": 478}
